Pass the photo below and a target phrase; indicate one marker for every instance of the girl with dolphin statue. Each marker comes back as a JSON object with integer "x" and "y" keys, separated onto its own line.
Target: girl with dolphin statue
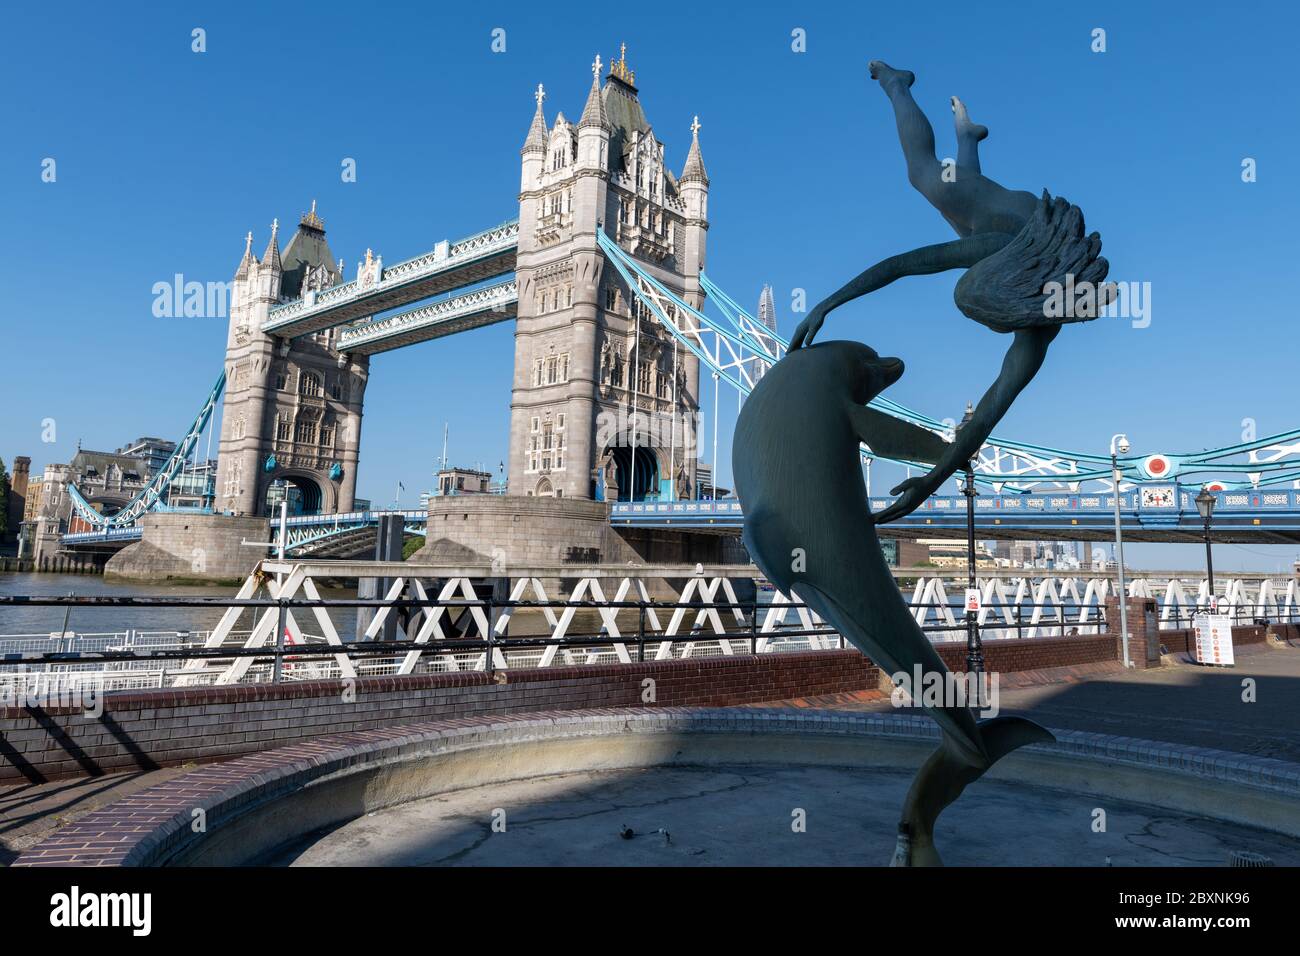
{"x": 808, "y": 523}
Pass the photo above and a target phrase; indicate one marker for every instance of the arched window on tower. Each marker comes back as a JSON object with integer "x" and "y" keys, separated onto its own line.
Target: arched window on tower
{"x": 304, "y": 432}
{"x": 309, "y": 384}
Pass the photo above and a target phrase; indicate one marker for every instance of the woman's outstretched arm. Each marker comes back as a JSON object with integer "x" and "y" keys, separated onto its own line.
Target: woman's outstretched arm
{"x": 1022, "y": 362}
{"x": 958, "y": 254}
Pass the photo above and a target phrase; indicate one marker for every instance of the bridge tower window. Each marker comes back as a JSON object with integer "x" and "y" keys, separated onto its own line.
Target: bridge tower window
{"x": 305, "y": 431}
{"x": 309, "y": 384}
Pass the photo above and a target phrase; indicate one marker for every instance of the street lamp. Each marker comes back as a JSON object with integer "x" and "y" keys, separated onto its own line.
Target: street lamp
{"x": 1119, "y": 446}
{"x": 1205, "y": 503}
{"x": 974, "y": 647}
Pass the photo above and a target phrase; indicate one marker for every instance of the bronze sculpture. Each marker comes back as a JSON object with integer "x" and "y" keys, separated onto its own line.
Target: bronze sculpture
{"x": 808, "y": 524}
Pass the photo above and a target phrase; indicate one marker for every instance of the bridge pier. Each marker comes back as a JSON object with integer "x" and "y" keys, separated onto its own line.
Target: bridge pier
{"x": 526, "y": 531}
{"x": 191, "y": 547}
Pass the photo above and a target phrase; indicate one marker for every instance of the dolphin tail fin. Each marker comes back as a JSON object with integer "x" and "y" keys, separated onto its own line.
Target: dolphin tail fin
{"x": 945, "y": 774}
{"x": 1002, "y": 735}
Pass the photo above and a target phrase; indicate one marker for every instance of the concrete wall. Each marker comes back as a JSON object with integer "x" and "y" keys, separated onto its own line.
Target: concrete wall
{"x": 191, "y": 548}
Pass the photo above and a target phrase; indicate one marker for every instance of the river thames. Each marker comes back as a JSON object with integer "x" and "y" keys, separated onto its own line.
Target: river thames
{"x": 99, "y": 620}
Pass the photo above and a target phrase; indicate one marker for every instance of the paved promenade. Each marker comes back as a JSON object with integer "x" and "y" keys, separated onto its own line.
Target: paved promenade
{"x": 1180, "y": 703}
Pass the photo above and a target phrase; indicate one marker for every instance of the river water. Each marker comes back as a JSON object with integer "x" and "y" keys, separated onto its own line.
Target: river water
{"x": 99, "y": 620}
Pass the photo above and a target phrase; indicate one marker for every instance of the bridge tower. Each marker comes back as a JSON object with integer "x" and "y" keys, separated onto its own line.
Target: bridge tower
{"x": 604, "y": 403}
{"x": 292, "y": 408}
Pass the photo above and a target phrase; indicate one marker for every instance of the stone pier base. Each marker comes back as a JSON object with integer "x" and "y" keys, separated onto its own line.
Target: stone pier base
{"x": 528, "y": 531}
{"x": 510, "y": 531}
{"x": 522, "y": 531}
{"x": 191, "y": 547}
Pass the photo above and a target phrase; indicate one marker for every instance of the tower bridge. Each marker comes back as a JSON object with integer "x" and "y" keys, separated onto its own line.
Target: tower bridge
{"x": 593, "y": 345}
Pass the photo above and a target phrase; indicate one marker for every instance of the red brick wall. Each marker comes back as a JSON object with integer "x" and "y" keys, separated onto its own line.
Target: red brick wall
{"x": 1182, "y": 640}
{"x": 1034, "y": 653}
{"x": 148, "y": 729}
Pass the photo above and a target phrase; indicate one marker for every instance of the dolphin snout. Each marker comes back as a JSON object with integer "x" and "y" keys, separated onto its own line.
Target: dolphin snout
{"x": 891, "y": 368}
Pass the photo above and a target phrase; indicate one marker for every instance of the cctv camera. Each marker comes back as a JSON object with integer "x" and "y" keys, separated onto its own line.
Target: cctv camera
{"x": 1122, "y": 446}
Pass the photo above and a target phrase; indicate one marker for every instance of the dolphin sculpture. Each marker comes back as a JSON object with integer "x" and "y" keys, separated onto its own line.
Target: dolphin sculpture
{"x": 809, "y": 528}
{"x": 808, "y": 524}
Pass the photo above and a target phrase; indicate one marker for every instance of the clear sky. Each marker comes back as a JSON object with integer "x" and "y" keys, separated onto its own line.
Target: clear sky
{"x": 166, "y": 157}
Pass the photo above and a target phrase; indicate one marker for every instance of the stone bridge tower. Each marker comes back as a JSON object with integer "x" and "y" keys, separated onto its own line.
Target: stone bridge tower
{"x": 604, "y": 402}
{"x": 292, "y": 408}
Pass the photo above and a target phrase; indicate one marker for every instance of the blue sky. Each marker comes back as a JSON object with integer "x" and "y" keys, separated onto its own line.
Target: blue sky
{"x": 165, "y": 158}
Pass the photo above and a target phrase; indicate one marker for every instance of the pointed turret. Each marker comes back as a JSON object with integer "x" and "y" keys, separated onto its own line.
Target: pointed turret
{"x": 693, "y": 171}
{"x": 593, "y": 114}
{"x": 536, "y": 141}
{"x": 245, "y": 263}
{"x": 271, "y": 257}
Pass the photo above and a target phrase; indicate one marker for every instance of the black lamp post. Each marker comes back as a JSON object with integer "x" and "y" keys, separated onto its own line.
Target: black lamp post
{"x": 974, "y": 646}
{"x": 1205, "y": 503}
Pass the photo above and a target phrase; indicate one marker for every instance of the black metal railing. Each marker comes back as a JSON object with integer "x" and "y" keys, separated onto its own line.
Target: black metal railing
{"x": 471, "y": 638}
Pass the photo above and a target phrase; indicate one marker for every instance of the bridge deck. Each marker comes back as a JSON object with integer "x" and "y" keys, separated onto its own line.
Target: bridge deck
{"x": 450, "y": 266}
{"x": 1148, "y": 512}
{"x": 472, "y": 310}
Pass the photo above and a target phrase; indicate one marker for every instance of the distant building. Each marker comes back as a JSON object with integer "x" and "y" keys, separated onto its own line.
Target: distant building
{"x": 463, "y": 481}
{"x": 52, "y": 510}
{"x": 18, "y": 481}
{"x": 108, "y": 480}
{"x": 904, "y": 552}
{"x": 194, "y": 486}
{"x": 704, "y": 482}
{"x": 766, "y": 318}
{"x": 951, "y": 553}
{"x": 1060, "y": 555}
{"x": 767, "y": 308}
{"x": 154, "y": 451}
{"x": 31, "y": 507}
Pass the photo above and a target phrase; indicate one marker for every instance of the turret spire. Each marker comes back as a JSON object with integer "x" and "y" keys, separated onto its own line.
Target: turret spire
{"x": 593, "y": 114}
{"x": 693, "y": 171}
{"x": 536, "y": 141}
{"x": 272, "y": 255}
{"x": 246, "y": 263}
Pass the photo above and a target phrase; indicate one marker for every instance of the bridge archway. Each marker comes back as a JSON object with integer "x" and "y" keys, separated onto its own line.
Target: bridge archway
{"x": 306, "y": 495}
{"x": 639, "y": 479}
{"x": 108, "y": 504}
